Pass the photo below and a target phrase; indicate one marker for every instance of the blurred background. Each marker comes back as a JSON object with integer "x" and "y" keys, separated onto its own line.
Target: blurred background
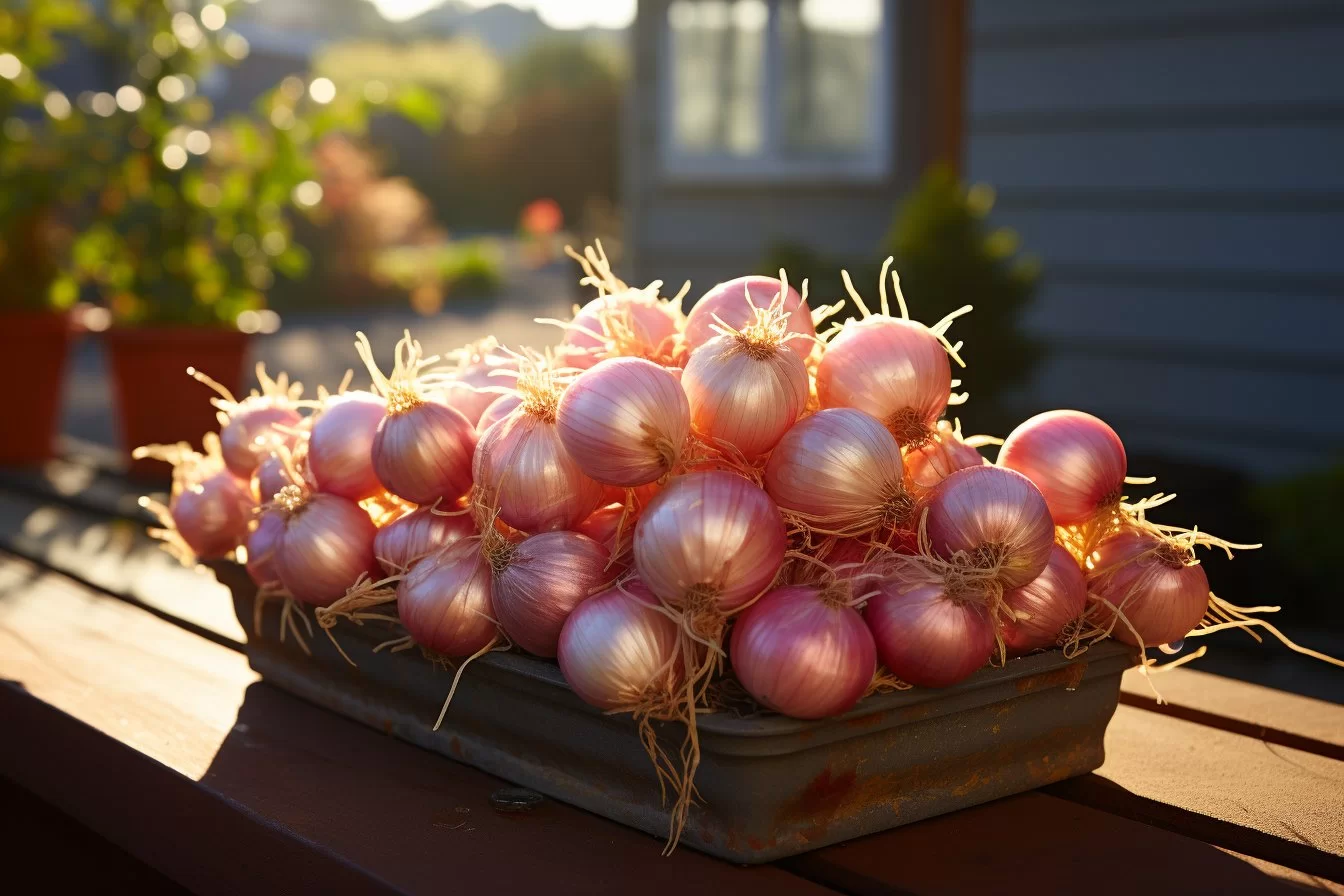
{"x": 1142, "y": 200}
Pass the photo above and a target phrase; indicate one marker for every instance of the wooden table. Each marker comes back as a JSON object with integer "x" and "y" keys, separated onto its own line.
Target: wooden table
{"x": 140, "y": 748}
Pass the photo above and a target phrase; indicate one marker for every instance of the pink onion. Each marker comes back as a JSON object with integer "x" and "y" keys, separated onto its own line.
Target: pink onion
{"x": 547, "y": 576}
{"x": 1046, "y": 604}
{"x": 1076, "y": 460}
{"x": 340, "y": 445}
{"x": 748, "y": 386}
{"x": 1155, "y": 582}
{"x": 251, "y": 428}
{"x": 997, "y": 517}
{"x": 617, "y": 650}
{"x": 602, "y": 525}
{"x": 261, "y": 545}
{"x": 445, "y": 601}
{"x": 271, "y": 476}
{"x": 802, "y": 653}
{"x": 326, "y": 545}
{"x": 841, "y": 470}
{"x": 213, "y": 513}
{"x": 927, "y": 638}
{"x": 624, "y": 422}
{"x": 735, "y": 302}
{"x": 523, "y": 468}
{"x": 419, "y": 533}
{"x": 501, "y": 407}
{"x": 630, "y": 323}
{"x": 477, "y": 386}
{"x": 941, "y": 456}
{"x": 709, "y": 539}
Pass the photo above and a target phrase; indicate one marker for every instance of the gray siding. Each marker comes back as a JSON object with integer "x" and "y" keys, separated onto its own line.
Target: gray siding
{"x": 1179, "y": 166}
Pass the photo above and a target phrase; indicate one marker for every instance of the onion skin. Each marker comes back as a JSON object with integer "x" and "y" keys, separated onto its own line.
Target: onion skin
{"x": 418, "y": 534}
{"x": 500, "y": 408}
{"x": 326, "y": 545}
{"x": 926, "y": 638}
{"x": 523, "y": 468}
{"x": 938, "y": 458}
{"x": 1148, "y": 579}
{"x": 624, "y": 421}
{"x": 843, "y": 467}
{"x": 424, "y": 453}
{"x": 617, "y": 650}
{"x": 802, "y": 657}
{"x": 733, "y": 303}
{"x": 603, "y": 523}
{"x": 994, "y": 511}
{"x": 251, "y": 433}
{"x": 340, "y": 446}
{"x": 445, "y": 601}
{"x": 1051, "y": 601}
{"x": 651, "y": 323}
{"x": 548, "y": 575}
{"x": 746, "y": 400}
{"x": 1076, "y": 460}
{"x": 895, "y": 370}
{"x": 271, "y": 476}
{"x": 212, "y": 515}
{"x": 261, "y": 545}
{"x": 714, "y": 531}
{"x": 475, "y": 388}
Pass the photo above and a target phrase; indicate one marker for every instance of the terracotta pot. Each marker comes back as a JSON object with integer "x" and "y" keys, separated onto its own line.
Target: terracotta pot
{"x": 158, "y": 401}
{"x": 33, "y": 348}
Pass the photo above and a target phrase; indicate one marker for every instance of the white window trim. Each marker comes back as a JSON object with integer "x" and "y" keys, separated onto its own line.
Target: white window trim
{"x": 678, "y": 167}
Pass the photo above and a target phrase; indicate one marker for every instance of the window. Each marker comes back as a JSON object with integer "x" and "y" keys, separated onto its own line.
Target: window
{"x": 776, "y": 88}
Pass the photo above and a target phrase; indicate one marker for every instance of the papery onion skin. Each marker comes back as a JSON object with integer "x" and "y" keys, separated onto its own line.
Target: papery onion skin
{"x": 926, "y": 638}
{"x": 733, "y": 302}
{"x": 841, "y": 466}
{"x": 327, "y": 544}
{"x": 253, "y": 430}
{"x": 895, "y": 370}
{"x": 742, "y": 397}
{"x": 212, "y": 515}
{"x": 445, "y": 601}
{"x": 500, "y": 408}
{"x": 417, "y": 534}
{"x": 474, "y": 389}
{"x": 261, "y": 545}
{"x": 617, "y": 650}
{"x": 624, "y": 421}
{"x": 523, "y": 468}
{"x": 340, "y": 446}
{"x": 995, "y": 515}
{"x": 602, "y": 525}
{"x": 650, "y": 321}
{"x": 712, "y": 534}
{"x": 800, "y": 656}
{"x": 547, "y": 576}
{"x": 1075, "y": 459}
{"x": 1050, "y": 601}
{"x": 930, "y": 463}
{"x": 1163, "y": 598}
{"x": 270, "y": 477}
{"x": 424, "y": 453}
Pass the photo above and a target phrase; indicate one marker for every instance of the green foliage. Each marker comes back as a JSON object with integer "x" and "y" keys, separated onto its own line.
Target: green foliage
{"x": 470, "y": 267}
{"x": 948, "y": 255}
{"x": 1303, "y": 517}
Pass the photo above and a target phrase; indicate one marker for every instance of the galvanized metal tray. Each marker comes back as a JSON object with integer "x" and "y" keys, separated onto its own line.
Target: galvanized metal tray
{"x": 770, "y": 786}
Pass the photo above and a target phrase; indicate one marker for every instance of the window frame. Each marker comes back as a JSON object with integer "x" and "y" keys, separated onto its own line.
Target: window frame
{"x": 875, "y": 165}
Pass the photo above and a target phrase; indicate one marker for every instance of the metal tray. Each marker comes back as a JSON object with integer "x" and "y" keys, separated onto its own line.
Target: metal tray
{"x": 770, "y": 786}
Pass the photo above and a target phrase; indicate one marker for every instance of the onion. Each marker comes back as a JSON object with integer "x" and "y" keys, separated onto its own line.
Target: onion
{"x": 340, "y": 445}
{"x": 631, "y": 323}
{"x": 546, "y": 577}
{"x": 617, "y": 651}
{"x": 624, "y": 422}
{"x": 327, "y": 544}
{"x": 445, "y": 601}
{"x": 709, "y": 540}
{"x": 603, "y": 524}
{"x": 895, "y": 369}
{"x": 271, "y": 476}
{"x": 261, "y": 545}
{"x": 1155, "y": 582}
{"x": 997, "y": 518}
{"x": 746, "y": 387}
{"x": 1048, "y": 603}
{"x": 477, "y": 385}
{"x": 501, "y": 407}
{"x": 422, "y": 450}
{"x": 213, "y": 513}
{"x": 801, "y": 652}
{"x": 926, "y": 637}
{"x": 938, "y": 458}
{"x": 735, "y": 302}
{"x": 841, "y": 472}
{"x": 402, "y": 542}
{"x": 1076, "y": 460}
{"x": 251, "y": 428}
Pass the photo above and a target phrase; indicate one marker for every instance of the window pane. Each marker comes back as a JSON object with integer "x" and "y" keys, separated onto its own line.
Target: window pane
{"x": 718, "y": 60}
{"x": 828, "y": 54}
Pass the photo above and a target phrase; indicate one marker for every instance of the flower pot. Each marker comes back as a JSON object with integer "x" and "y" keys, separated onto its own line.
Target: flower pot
{"x": 33, "y": 348}
{"x": 158, "y": 401}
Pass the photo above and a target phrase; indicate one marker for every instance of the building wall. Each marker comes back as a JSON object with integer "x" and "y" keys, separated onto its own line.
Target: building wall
{"x": 1179, "y": 167}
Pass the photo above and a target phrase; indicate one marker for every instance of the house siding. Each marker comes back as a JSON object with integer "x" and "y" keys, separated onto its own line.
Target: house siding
{"x": 1178, "y": 165}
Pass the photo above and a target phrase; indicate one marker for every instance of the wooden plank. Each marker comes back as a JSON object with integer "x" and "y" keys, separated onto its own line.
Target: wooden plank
{"x": 79, "y": 481}
{"x": 1267, "y": 714}
{"x": 1256, "y": 798}
{"x": 253, "y": 790}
